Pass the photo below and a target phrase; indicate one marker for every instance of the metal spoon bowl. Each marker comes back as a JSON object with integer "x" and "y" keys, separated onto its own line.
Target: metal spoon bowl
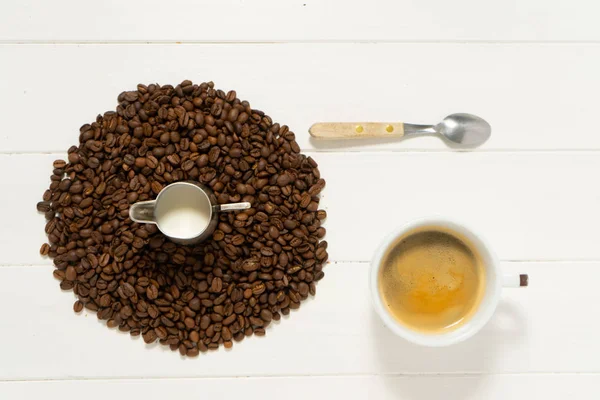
{"x": 464, "y": 129}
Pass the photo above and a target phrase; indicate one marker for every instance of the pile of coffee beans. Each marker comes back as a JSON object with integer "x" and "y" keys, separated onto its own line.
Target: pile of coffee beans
{"x": 259, "y": 263}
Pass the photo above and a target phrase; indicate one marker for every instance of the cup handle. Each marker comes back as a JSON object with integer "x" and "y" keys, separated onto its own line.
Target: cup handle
{"x": 515, "y": 280}
{"x": 143, "y": 212}
{"x": 232, "y": 206}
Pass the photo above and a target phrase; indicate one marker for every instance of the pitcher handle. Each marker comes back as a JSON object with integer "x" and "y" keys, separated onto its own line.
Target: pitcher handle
{"x": 143, "y": 212}
{"x": 232, "y": 206}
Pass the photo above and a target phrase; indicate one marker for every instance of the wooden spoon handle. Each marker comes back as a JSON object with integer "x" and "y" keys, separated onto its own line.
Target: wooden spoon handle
{"x": 356, "y": 130}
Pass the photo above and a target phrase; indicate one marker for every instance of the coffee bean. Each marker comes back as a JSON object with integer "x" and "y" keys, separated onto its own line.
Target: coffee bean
{"x": 150, "y": 336}
{"x": 237, "y": 240}
{"x": 189, "y": 323}
{"x": 120, "y": 250}
{"x": 194, "y": 337}
{"x": 204, "y": 322}
{"x": 251, "y": 264}
{"x": 317, "y": 187}
{"x": 43, "y": 206}
{"x": 128, "y": 290}
{"x": 71, "y": 274}
{"x": 258, "y": 289}
{"x": 59, "y": 164}
{"x": 305, "y": 200}
{"x": 64, "y": 185}
{"x": 259, "y": 264}
{"x": 152, "y": 292}
{"x": 218, "y": 235}
{"x": 229, "y": 320}
{"x": 274, "y": 232}
{"x": 216, "y": 285}
{"x": 156, "y": 187}
{"x": 93, "y": 162}
{"x": 283, "y": 179}
{"x": 193, "y": 352}
{"x": 321, "y": 254}
{"x": 45, "y": 249}
{"x": 303, "y": 288}
{"x": 105, "y": 300}
{"x": 266, "y": 251}
{"x": 213, "y": 154}
{"x": 195, "y": 304}
{"x": 290, "y": 224}
{"x": 231, "y": 95}
{"x": 104, "y": 259}
{"x": 187, "y": 165}
{"x": 161, "y": 332}
{"x": 77, "y": 306}
{"x": 266, "y": 315}
{"x": 140, "y": 162}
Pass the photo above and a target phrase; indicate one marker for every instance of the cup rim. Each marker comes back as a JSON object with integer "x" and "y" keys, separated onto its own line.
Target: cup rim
{"x": 202, "y": 190}
{"x": 483, "y": 314}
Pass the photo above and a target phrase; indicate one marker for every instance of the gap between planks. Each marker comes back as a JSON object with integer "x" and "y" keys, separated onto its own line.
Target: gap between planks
{"x": 283, "y": 42}
{"x": 373, "y": 151}
{"x": 333, "y": 375}
{"x": 331, "y": 262}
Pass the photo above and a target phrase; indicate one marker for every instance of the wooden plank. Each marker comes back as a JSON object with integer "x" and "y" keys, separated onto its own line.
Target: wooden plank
{"x": 531, "y": 206}
{"x": 534, "y": 96}
{"x": 546, "y": 327}
{"x": 273, "y": 20}
{"x": 483, "y": 387}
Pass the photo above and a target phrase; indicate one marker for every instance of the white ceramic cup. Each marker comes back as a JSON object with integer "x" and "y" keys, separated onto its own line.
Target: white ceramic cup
{"x": 494, "y": 281}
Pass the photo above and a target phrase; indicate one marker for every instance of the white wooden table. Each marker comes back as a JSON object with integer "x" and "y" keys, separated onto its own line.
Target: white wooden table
{"x": 530, "y": 67}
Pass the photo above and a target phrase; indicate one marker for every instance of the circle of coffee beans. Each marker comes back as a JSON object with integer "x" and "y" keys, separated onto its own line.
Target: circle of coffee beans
{"x": 259, "y": 263}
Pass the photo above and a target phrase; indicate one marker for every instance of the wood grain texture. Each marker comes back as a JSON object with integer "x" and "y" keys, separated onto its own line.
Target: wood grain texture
{"x": 530, "y": 206}
{"x": 534, "y": 96}
{"x": 536, "y": 329}
{"x": 356, "y": 130}
{"x": 275, "y": 20}
{"x": 484, "y": 387}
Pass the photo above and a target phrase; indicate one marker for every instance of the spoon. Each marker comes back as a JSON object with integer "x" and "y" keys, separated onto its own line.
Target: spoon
{"x": 465, "y": 130}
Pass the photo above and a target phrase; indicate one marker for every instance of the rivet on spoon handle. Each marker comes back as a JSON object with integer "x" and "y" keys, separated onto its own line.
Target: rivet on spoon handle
{"x": 356, "y": 130}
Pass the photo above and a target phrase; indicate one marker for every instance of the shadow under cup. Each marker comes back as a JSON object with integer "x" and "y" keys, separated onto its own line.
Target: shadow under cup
{"x": 487, "y": 304}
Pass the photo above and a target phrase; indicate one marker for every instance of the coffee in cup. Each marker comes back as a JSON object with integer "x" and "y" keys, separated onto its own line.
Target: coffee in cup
{"x": 435, "y": 282}
{"x": 431, "y": 280}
